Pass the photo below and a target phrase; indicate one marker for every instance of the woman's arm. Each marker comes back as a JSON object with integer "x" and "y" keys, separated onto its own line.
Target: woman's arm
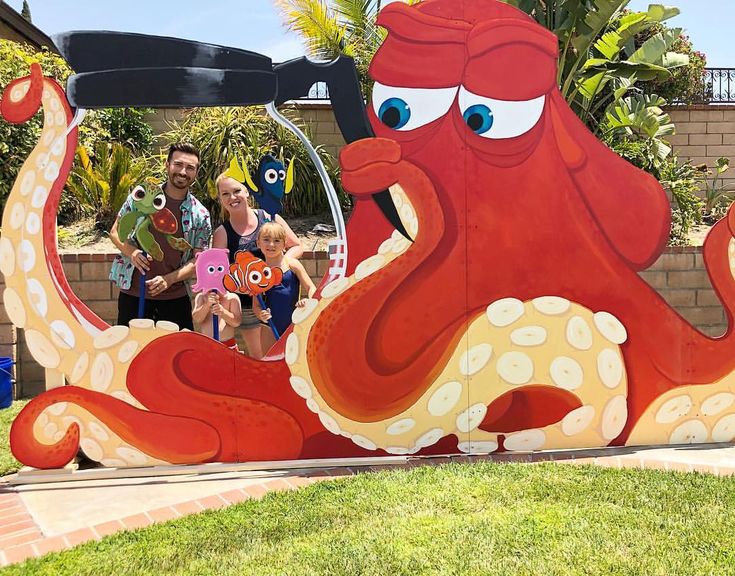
{"x": 304, "y": 279}
{"x": 294, "y": 249}
{"x": 219, "y": 238}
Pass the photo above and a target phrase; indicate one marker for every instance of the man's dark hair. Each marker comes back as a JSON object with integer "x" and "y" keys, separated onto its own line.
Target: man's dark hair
{"x": 185, "y": 147}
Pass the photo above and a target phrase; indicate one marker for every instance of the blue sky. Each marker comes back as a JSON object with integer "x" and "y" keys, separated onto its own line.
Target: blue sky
{"x": 255, "y": 24}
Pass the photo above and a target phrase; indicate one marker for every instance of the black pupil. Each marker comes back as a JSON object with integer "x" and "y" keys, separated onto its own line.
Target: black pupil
{"x": 391, "y": 117}
{"x": 474, "y": 122}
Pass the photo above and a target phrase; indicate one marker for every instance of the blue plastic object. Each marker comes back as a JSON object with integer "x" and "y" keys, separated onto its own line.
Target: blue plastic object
{"x": 6, "y": 382}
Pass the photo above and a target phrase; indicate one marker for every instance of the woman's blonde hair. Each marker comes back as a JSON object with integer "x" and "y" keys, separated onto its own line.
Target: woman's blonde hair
{"x": 224, "y": 215}
{"x": 273, "y": 229}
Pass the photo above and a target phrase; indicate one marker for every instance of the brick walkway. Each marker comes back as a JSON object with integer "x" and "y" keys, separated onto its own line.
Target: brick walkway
{"x": 22, "y": 537}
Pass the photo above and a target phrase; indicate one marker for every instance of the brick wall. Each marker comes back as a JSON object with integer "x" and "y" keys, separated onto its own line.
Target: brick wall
{"x": 680, "y": 277}
{"x": 704, "y": 134}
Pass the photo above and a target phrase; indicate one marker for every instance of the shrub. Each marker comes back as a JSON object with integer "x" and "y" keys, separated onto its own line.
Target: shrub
{"x": 17, "y": 140}
{"x": 682, "y": 182}
{"x": 102, "y": 183}
{"x": 126, "y": 126}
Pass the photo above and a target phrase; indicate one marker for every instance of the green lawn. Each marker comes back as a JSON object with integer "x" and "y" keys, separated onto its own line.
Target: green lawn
{"x": 456, "y": 519}
{"x": 8, "y": 464}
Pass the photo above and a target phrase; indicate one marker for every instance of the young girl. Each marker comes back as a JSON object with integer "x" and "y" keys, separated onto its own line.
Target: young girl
{"x": 281, "y": 300}
{"x": 240, "y": 232}
{"x": 226, "y": 307}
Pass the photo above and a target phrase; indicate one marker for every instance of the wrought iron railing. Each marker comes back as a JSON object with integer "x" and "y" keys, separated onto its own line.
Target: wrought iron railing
{"x": 719, "y": 86}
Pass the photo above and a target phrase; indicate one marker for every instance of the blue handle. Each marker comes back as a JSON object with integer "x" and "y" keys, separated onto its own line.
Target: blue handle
{"x": 215, "y": 324}
{"x": 261, "y": 301}
{"x": 141, "y": 293}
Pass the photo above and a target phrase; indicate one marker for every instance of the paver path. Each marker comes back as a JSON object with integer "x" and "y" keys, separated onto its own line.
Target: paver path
{"x": 39, "y": 518}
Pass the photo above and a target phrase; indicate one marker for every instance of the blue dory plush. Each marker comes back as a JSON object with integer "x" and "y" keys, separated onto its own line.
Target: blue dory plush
{"x": 274, "y": 180}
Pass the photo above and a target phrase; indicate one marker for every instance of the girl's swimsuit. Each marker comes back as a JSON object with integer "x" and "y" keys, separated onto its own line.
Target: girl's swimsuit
{"x": 281, "y": 300}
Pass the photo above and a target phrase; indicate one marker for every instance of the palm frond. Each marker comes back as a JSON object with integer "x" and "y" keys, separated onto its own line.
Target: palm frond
{"x": 317, "y": 24}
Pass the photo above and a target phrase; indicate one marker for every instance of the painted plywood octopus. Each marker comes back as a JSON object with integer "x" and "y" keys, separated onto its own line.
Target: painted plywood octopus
{"x": 513, "y": 319}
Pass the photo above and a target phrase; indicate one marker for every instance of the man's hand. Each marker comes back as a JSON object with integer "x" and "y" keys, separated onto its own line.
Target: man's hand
{"x": 157, "y": 285}
{"x": 140, "y": 260}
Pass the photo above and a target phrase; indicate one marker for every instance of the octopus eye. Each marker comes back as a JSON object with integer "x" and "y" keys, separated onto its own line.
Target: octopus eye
{"x": 254, "y": 277}
{"x": 498, "y": 119}
{"x": 479, "y": 118}
{"x": 210, "y": 269}
{"x": 282, "y": 174}
{"x": 220, "y": 269}
{"x": 410, "y": 108}
{"x": 159, "y": 201}
{"x": 271, "y": 175}
{"x": 394, "y": 113}
{"x": 138, "y": 193}
{"x": 267, "y": 273}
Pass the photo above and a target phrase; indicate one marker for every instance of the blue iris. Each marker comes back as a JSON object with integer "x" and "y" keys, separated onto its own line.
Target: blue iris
{"x": 479, "y": 118}
{"x": 394, "y": 113}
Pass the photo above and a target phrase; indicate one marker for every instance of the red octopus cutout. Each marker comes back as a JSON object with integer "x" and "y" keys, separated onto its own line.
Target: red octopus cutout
{"x": 515, "y": 211}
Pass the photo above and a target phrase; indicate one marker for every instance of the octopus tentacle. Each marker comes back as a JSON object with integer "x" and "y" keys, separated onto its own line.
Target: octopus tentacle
{"x": 174, "y": 439}
{"x": 383, "y": 376}
{"x": 246, "y": 409}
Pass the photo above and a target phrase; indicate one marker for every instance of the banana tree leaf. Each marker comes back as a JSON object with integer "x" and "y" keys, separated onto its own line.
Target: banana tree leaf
{"x": 643, "y": 71}
{"x": 596, "y": 20}
{"x": 659, "y": 12}
{"x": 611, "y": 43}
{"x": 655, "y": 47}
{"x": 590, "y": 87}
{"x": 674, "y": 60}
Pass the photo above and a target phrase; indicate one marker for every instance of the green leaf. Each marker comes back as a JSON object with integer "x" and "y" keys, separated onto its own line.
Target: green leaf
{"x": 653, "y": 49}
{"x": 659, "y": 12}
{"x": 591, "y": 86}
{"x": 674, "y": 60}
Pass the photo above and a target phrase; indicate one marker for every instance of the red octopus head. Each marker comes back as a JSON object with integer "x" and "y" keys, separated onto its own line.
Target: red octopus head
{"x": 468, "y": 89}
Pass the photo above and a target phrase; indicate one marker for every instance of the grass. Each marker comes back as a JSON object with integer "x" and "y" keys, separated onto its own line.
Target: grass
{"x": 8, "y": 464}
{"x": 485, "y": 518}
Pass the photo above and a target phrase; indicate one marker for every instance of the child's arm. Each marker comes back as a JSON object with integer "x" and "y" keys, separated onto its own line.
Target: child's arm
{"x": 201, "y": 309}
{"x": 304, "y": 279}
{"x": 231, "y": 312}
{"x": 260, "y": 314}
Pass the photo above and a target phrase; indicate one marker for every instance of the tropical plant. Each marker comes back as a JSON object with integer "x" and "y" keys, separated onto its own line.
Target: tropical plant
{"x": 222, "y": 133}
{"x": 599, "y": 62}
{"x": 717, "y": 194}
{"x": 681, "y": 180}
{"x": 639, "y": 117}
{"x": 17, "y": 140}
{"x": 331, "y": 28}
{"x": 101, "y": 183}
{"x": 687, "y": 83}
{"x": 127, "y": 126}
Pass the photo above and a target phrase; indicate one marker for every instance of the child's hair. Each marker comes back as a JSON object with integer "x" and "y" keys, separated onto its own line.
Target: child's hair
{"x": 273, "y": 229}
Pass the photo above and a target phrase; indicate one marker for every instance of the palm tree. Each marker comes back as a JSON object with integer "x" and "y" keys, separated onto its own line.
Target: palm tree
{"x": 330, "y": 28}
